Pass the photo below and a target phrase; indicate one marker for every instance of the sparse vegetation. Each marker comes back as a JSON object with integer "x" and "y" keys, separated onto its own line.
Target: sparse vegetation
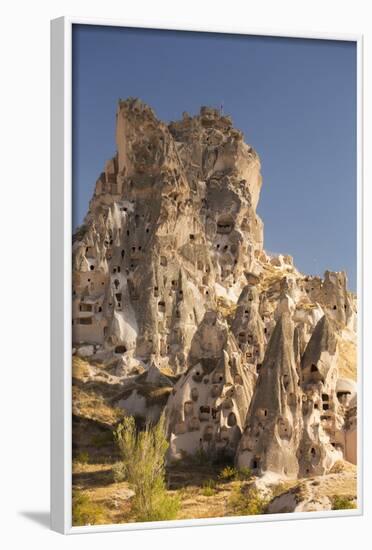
{"x": 209, "y": 488}
{"x": 244, "y": 502}
{"x": 85, "y": 512}
{"x": 244, "y": 473}
{"x": 119, "y": 472}
{"x": 143, "y": 457}
{"x": 343, "y": 503}
{"x": 230, "y": 473}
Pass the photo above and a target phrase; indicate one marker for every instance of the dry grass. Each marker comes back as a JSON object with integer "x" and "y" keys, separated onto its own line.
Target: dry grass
{"x": 80, "y": 368}
{"x": 106, "y": 502}
{"x": 87, "y": 404}
{"x": 188, "y": 483}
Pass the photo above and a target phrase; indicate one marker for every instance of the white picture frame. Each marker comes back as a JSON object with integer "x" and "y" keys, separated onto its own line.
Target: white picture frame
{"x": 61, "y": 232}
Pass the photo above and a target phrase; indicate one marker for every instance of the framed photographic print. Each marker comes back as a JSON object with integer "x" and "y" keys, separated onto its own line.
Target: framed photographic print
{"x": 206, "y": 282}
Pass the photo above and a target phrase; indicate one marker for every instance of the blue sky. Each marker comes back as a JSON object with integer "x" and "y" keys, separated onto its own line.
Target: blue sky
{"x": 294, "y": 99}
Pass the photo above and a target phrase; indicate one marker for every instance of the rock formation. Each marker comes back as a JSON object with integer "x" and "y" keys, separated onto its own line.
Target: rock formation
{"x": 274, "y": 422}
{"x": 173, "y": 294}
{"x": 208, "y": 405}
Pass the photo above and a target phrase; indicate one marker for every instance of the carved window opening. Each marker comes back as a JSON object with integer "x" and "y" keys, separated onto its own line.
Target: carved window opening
{"x": 86, "y": 307}
{"x": 120, "y": 349}
{"x": 85, "y": 321}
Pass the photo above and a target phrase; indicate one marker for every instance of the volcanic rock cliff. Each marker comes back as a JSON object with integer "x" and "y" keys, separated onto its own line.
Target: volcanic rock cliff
{"x": 173, "y": 291}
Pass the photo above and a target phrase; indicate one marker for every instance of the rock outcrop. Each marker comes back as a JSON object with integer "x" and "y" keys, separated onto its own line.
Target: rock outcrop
{"x": 274, "y": 423}
{"x": 174, "y": 295}
{"x": 207, "y": 409}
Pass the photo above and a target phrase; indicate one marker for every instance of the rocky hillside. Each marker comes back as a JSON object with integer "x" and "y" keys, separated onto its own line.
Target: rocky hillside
{"x": 178, "y": 308}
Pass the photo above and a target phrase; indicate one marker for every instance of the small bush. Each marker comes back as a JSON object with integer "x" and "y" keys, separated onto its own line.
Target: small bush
{"x": 85, "y": 512}
{"x": 209, "y": 488}
{"x": 229, "y": 473}
{"x": 119, "y": 472}
{"x": 82, "y": 457}
{"x": 343, "y": 503}
{"x": 164, "y": 507}
{"x": 249, "y": 504}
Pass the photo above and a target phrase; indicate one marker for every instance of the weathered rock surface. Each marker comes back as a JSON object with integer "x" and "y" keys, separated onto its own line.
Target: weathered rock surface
{"x": 177, "y": 301}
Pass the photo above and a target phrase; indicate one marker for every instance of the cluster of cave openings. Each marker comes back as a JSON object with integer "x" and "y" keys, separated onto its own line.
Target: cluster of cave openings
{"x": 225, "y": 224}
{"x": 116, "y": 269}
{"x": 325, "y": 400}
{"x": 118, "y": 297}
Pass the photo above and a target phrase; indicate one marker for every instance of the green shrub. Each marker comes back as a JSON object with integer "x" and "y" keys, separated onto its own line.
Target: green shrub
{"x": 143, "y": 465}
{"x": 229, "y": 473}
{"x": 85, "y": 512}
{"x": 82, "y": 457}
{"x": 164, "y": 507}
{"x": 119, "y": 472}
{"x": 209, "y": 488}
{"x": 250, "y": 503}
{"x": 343, "y": 503}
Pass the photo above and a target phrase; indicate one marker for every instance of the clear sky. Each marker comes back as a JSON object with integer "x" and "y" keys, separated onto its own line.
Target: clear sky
{"x": 294, "y": 99}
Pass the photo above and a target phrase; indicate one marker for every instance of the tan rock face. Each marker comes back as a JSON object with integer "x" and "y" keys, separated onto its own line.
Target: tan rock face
{"x": 207, "y": 409}
{"x": 274, "y": 422}
{"x": 169, "y": 270}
